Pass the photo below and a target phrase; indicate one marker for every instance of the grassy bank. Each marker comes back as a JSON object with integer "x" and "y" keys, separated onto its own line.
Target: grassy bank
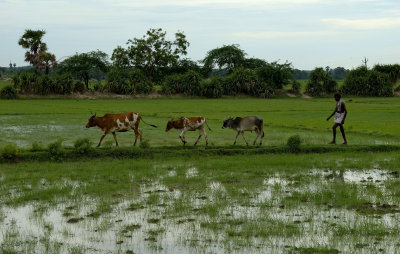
{"x": 71, "y": 154}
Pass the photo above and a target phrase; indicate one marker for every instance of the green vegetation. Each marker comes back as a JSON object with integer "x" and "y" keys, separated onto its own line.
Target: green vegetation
{"x": 47, "y": 120}
{"x": 8, "y": 93}
{"x": 364, "y": 82}
{"x": 9, "y": 152}
{"x": 242, "y": 202}
{"x": 280, "y": 197}
{"x": 294, "y": 143}
{"x": 320, "y": 83}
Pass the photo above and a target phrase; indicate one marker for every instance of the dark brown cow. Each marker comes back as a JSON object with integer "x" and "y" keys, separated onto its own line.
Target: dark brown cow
{"x": 189, "y": 124}
{"x": 117, "y": 123}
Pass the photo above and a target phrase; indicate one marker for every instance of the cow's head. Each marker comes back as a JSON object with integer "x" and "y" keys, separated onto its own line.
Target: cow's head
{"x": 170, "y": 125}
{"x": 91, "y": 121}
{"x": 227, "y": 123}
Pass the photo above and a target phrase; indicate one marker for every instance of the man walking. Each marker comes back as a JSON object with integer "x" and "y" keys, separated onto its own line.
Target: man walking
{"x": 341, "y": 113}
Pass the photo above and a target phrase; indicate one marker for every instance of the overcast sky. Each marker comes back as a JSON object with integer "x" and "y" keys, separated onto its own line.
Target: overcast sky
{"x": 307, "y": 33}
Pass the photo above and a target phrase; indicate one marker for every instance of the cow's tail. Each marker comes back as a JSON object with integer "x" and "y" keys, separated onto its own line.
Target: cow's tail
{"x": 152, "y": 125}
{"x": 208, "y": 126}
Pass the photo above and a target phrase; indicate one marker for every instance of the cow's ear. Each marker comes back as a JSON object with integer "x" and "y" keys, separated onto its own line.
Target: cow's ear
{"x": 95, "y": 114}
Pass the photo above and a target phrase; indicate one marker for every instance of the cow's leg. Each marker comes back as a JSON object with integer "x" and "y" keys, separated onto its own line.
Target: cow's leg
{"x": 115, "y": 138}
{"x": 236, "y": 137}
{"x": 195, "y": 143}
{"x": 262, "y": 136}
{"x": 245, "y": 138}
{"x": 101, "y": 139}
{"x": 182, "y": 137}
{"x": 205, "y": 136}
{"x": 258, "y": 134}
{"x": 138, "y": 133}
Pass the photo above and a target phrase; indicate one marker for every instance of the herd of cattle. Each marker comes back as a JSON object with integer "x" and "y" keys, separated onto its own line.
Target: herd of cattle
{"x": 126, "y": 121}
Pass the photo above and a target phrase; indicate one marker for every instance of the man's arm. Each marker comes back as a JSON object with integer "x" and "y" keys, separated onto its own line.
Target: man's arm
{"x": 327, "y": 119}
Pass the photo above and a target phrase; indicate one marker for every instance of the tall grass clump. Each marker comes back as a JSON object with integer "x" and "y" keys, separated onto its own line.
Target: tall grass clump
{"x": 82, "y": 145}
{"x": 293, "y": 143}
{"x": 144, "y": 144}
{"x": 56, "y": 151}
{"x": 9, "y": 152}
{"x": 36, "y": 147}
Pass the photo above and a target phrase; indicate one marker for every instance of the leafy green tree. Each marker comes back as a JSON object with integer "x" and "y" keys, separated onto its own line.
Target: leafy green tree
{"x": 152, "y": 53}
{"x": 37, "y": 54}
{"x": 339, "y": 73}
{"x": 85, "y": 65}
{"x": 275, "y": 74}
{"x": 120, "y": 58}
{"x": 184, "y": 65}
{"x": 227, "y": 58}
{"x": 254, "y": 63}
{"x": 320, "y": 83}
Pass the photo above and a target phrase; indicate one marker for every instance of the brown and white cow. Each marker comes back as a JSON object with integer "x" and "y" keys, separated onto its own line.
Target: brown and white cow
{"x": 189, "y": 124}
{"x": 242, "y": 124}
{"x": 117, "y": 123}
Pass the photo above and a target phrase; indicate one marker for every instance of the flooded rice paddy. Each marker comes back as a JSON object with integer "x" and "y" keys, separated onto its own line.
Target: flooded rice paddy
{"x": 186, "y": 208}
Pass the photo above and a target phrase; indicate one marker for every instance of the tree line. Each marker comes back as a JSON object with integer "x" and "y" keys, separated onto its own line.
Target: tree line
{"x": 153, "y": 60}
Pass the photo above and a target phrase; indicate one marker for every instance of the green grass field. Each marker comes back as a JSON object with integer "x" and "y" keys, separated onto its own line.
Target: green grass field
{"x": 370, "y": 120}
{"x": 175, "y": 200}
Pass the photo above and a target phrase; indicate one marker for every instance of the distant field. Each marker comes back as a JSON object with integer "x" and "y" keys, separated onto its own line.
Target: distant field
{"x": 370, "y": 120}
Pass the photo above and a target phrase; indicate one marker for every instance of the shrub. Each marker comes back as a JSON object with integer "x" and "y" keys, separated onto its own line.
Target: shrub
{"x": 36, "y": 147}
{"x": 117, "y": 82}
{"x": 44, "y": 85}
{"x": 188, "y": 84}
{"x": 56, "y": 151}
{"x": 240, "y": 81}
{"x": 79, "y": 87}
{"x": 320, "y": 83}
{"x": 9, "y": 152}
{"x": 393, "y": 70}
{"x": 364, "y": 82}
{"x": 15, "y": 81}
{"x": 98, "y": 86}
{"x": 63, "y": 84}
{"x": 83, "y": 145}
{"x": 138, "y": 82}
{"x": 27, "y": 82}
{"x": 8, "y": 93}
{"x": 264, "y": 90}
{"x": 212, "y": 88}
{"x": 293, "y": 143}
{"x": 296, "y": 86}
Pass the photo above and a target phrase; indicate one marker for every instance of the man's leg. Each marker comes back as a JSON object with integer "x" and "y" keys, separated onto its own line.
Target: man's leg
{"x": 343, "y": 134}
{"x": 334, "y": 133}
